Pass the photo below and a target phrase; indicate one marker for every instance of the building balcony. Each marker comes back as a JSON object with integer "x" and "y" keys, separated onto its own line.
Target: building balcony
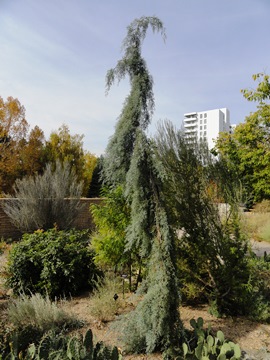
{"x": 191, "y": 124}
{"x": 191, "y": 131}
{"x": 190, "y": 119}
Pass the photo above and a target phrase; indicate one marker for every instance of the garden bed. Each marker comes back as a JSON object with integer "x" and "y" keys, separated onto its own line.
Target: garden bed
{"x": 253, "y": 337}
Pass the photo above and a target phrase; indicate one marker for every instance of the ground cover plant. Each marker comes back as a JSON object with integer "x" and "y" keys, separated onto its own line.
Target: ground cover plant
{"x": 57, "y": 263}
{"x": 39, "y": 312}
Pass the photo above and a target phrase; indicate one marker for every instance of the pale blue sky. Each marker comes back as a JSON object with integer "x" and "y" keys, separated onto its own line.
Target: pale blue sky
{"x": 54, "y": 55}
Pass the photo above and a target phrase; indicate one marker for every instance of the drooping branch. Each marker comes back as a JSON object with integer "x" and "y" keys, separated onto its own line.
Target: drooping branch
{"x": 139, "y": 105}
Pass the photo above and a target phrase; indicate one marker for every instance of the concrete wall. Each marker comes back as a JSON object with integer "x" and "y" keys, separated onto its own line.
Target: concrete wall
{"x": 83, "y": 221}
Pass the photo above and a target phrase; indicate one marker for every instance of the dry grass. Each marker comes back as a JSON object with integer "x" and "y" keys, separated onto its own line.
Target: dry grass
{"x": 257, "y": 225}
{"x": 104, "y": 306}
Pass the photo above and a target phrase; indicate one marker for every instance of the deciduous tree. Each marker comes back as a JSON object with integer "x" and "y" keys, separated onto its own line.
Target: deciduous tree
{"x": 66, "y": 147}
{"x": 111, "y": 219}
{"x": 33, "y": 153}
{"x": 13, "y": 125}
{"x": 20, "y": 152}
{"x": 247, "y": 149}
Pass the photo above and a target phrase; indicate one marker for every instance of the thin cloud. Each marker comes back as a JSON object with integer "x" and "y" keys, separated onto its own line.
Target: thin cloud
{"x": 55, "y": 55}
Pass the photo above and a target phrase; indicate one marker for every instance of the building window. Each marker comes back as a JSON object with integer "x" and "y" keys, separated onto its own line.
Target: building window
{"x": 205, "y": 121}
{"x": 200, "y": 116}
{"x": 205, "y": 115}
{"x": 200, "y": 127}
{"x": 200, "y": 121}
{"x": 204, "y": 127}
{"x": 204, "y": 133}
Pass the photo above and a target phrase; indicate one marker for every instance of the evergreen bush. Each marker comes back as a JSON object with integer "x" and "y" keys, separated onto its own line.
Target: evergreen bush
{"x": 52, "y": 262}
{"x": 212, "y": 251}
{"x": 259, "y": 297}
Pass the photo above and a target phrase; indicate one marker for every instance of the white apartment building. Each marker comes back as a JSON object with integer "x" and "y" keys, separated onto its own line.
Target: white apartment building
{"x": 206, "y": 125}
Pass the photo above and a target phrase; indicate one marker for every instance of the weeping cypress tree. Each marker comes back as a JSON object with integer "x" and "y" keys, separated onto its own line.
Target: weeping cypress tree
{"x": 129, "y": 161}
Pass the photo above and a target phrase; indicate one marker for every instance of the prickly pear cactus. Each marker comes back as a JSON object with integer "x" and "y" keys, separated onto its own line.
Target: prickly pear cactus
{"x": 208, "y": 346}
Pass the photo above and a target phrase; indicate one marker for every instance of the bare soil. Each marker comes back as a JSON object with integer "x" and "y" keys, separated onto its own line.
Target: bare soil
{"x": 248, "y": 334}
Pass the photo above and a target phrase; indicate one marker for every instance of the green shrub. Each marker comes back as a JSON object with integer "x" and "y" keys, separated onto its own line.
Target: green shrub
{"x": 192, "y": 291}
{"x": 255, "y": 295}
{"x": 259, "y": 299}
{"x": 111, "y": 219}
{"x": 52, "y": 262}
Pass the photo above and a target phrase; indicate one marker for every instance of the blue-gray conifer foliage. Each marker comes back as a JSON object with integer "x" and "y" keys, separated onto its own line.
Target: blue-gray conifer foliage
{"x": 139, "y": 105}
{"x": 130, "y": 162}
